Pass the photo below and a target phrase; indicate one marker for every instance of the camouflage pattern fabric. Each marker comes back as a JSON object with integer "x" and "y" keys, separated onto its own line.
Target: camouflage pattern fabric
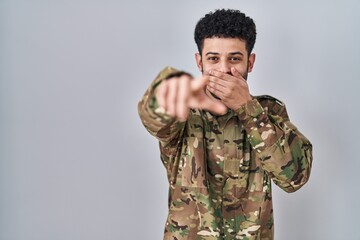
{"x": 220, "y": 168}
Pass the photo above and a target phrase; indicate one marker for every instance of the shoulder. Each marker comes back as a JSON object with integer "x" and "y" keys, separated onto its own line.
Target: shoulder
{"x": 268, "y": 100}
{"x": 273, "y": 105}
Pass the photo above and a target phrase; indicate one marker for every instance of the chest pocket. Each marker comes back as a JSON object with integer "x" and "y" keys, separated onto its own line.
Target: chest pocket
{"x": 241, "y": 166}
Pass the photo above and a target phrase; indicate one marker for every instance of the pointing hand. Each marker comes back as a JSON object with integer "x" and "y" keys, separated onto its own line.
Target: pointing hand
{"x": 178, "y": 94}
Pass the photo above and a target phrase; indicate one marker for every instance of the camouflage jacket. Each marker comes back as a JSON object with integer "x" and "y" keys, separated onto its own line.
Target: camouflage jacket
{"x": 220, "y": 168}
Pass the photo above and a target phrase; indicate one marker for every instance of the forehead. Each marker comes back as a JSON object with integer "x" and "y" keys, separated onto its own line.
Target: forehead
{"x": 224, "y": 45}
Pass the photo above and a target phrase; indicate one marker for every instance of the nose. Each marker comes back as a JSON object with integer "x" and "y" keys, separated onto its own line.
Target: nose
{"x": 225, "y": 66}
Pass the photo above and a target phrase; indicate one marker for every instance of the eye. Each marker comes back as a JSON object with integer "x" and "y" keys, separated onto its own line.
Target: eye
{"x": 235, "y": 59}
{"x": 212, "y": 58}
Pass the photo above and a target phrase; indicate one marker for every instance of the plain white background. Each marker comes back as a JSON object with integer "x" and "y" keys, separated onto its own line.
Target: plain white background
{"x": 75, "y": 161}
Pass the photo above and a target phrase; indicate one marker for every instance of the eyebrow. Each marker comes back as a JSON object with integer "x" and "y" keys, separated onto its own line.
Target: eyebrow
{"x": 232, "y": 53}
{"x": 213, "y": 53}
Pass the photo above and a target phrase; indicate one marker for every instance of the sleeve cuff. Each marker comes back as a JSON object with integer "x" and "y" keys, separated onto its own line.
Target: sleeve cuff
{"x": 153, "y": 105}
{"x": 251, "y": 109}
{"x": 159, "y": 111}
{"x": 261, "y": 132}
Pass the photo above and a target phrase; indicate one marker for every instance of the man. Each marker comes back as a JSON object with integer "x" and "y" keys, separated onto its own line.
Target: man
{"x": 220, "y": 145}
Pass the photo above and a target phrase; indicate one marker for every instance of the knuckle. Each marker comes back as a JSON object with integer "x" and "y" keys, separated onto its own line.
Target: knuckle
{"x": 185, "y": 77}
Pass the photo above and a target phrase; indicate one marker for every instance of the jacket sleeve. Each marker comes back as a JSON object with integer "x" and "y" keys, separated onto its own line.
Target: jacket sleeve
{"x": 159, "y": 124}
{"x": 284, "y": 152}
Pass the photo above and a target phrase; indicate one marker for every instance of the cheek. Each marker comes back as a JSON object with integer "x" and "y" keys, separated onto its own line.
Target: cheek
{"x": 206, "y": 69}
{"x": 207, "y": 66}
{"x": 241, "y": 69}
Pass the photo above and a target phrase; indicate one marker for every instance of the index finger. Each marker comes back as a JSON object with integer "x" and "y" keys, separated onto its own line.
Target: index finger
{"x": 224, "y": 76}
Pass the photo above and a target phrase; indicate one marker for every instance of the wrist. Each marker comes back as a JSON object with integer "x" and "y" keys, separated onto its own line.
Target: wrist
{"x": 242, "y": 103}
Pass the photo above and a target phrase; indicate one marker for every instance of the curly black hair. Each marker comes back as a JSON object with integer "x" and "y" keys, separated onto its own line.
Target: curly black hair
{"x": 226, "y": 23}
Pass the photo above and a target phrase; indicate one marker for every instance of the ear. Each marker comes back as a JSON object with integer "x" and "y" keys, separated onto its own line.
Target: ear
{"x": 251, "y": 61}
{"x": 199, "y": 61}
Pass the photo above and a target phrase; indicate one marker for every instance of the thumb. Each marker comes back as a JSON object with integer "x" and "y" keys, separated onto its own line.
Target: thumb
{"x": 216, "y": 107}
{"x": 199, "y": 83}
{"x": 204, "y": 102}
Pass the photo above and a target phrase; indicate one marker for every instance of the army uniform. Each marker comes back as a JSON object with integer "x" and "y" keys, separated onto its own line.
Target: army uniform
{"x": 220, "y": 168}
